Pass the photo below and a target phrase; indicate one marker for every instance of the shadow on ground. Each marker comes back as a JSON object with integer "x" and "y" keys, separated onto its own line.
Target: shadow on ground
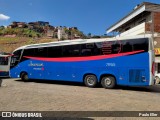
{"x": 55, "y": 82}
{"x": 154, "y": 88}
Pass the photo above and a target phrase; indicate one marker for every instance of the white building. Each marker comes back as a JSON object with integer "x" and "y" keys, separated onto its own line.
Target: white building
{"x": 61, "y": 33}
{"x": 145, "y": 18}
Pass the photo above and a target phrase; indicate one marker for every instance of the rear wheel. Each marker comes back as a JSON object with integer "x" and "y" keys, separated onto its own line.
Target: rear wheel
{"x": 108, "y": 82}
{"x": 24, "y": 77}
{"x": 90, "y": 80}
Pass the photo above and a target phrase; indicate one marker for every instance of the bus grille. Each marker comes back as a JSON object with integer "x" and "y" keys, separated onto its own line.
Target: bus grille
{"x": 136, "y": 75}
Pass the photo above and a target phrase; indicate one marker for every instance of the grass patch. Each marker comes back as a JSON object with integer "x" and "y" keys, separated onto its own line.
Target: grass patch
{"x": 10, "y": 44}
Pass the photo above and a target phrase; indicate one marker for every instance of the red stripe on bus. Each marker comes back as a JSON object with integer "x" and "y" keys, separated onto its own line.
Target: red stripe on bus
{"x": 86, "y": 58}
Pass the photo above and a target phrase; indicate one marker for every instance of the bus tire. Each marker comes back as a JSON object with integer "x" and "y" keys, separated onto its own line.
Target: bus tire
{"x": 108, "y": 82}
{"x": 24, "y": 77}
{"x": 90, "y": 80}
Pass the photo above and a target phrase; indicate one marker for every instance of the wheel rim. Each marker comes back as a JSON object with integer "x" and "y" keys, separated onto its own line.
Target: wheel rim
{"x": 26, "y": 77}
{"x": 108, "y": 81}
{"x": 90, "y": 81}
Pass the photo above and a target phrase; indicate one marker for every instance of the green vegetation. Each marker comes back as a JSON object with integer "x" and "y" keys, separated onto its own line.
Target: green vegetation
{"x": 20, "y": 32}
{"x": 8, "y": 44}
{"x": 72, "y": 32}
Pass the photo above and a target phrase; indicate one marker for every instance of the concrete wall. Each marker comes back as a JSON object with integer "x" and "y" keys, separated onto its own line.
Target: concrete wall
{"x": 156, "y": 23}
{"x": 138, "y": 21}
{"x": 139, "y": 29}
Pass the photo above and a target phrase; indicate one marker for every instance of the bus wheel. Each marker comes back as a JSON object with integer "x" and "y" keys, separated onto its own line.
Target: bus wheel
{"x": 108, "y": 82}
{"x": 24, "y": 77}
{"x": 90, "y": 80}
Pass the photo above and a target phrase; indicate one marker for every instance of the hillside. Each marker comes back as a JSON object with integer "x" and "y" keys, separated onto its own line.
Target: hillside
{"x": 41, "y": 29}
{"x": 8, "y": 44}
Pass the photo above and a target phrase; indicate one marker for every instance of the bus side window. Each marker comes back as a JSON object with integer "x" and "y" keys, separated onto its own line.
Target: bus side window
{"x": 90, "y": 49}
{"x": 86, "y": 52}
{"x": 29, "y": 52}
{"x": 41, "y": 52}
{"x": 90, "y": 45}
{"x": 71, "y": 51}
{"x": 98, "y": 48}
{"x": 55, "y": 52}
{"x": 116, "y": 47}
{"x": 141, "y": 44}
{"x": 87, "y": 49}
{"x": 127, "y": 46}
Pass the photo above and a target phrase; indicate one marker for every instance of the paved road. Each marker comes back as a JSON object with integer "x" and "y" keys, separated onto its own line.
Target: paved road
{"x": 17, "y": 95}
{"x": 48, "y": 95}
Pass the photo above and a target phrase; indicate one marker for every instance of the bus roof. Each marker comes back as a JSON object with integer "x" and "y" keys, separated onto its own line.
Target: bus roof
{"x": 79, "y": 41}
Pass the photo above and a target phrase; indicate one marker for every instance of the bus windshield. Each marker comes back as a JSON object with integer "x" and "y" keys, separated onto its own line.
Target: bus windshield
{"x": 15, "y": 58}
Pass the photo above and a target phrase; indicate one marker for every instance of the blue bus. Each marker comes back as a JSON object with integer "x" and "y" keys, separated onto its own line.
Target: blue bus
{"x": 4, "y": 65}
{"x": 108, "y": 61}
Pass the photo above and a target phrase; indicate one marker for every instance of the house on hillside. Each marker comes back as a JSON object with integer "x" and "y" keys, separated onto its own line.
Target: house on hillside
{"x": 21, "y": 25}
{"x": 68, "y": 33}
{"x": 42, "y": 23}
{"x": 37, "y": 24}
{"x": 31, "y": 25}
{"x": 41, "y": 26}
{"x": 61, "y": 33}
{"x": 17, "y": 24}
{"x": 13, "y": 25}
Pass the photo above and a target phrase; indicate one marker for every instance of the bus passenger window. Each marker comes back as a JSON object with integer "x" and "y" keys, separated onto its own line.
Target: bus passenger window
{"x": 87, "y": 49}
{"x": 90, "y": 45}
{"x": 15, "y": 58}
{"x": 41, "y": 52}
{"x": 141, "y": 44}
{"x": 127, "y": 47}
{"x": 71, "y": 51}
{"x": 116, "y": 47}
{"x": 86, "y": 52}
{"x": 29, "y": 52}
{"x": 55, "y": 52}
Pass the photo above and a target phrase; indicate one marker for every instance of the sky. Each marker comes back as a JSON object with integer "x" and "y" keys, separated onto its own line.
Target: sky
{"x": 90, "y": 16}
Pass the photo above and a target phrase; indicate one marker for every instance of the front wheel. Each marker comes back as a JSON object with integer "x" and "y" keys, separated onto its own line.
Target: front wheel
{"x": 24, "y": 77}
{"x": 90, "y": 80}
{"x": 108, "y": 82}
